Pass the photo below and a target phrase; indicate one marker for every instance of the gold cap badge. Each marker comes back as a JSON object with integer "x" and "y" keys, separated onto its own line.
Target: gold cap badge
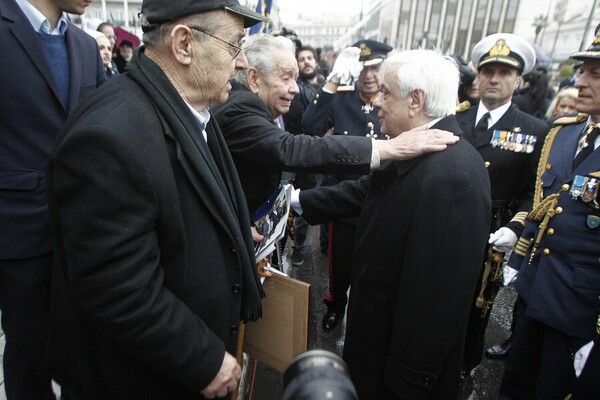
{"x": 365, "y": 50}
{"x": 499, "y": 49}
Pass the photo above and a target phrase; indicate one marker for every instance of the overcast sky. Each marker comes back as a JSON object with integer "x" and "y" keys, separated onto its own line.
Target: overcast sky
{"x": 316, "y": 7}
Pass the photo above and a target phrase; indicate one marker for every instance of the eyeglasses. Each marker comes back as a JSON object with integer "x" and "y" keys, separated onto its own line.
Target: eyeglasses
{"x": 234, "y": 53}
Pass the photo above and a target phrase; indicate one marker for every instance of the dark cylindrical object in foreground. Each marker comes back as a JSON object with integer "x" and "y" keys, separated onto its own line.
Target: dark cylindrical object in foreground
{"x": 317, "y": 375}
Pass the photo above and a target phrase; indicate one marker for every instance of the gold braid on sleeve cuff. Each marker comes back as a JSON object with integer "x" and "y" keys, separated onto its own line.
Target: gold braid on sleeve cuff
{"x": 520, "y": 217}
{"x": 522, "y": 246}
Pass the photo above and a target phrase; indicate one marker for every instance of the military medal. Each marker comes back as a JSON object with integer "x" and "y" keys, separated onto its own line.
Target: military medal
{"x": 591, "y": 188}
{"x": 578, "y": 186}
{"x": 503, "y": 135}
{"x": 593, "y": 221}
{"x": 496, "y": 138}
{"x": 531, "y": 143}
{"x": 510, "y": 141}
{"x": 519, "y": 145}
{"x": 368, "y": 107}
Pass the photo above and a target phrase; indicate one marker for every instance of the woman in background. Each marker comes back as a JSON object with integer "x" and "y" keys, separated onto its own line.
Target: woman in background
{"x": 563, "y": 103}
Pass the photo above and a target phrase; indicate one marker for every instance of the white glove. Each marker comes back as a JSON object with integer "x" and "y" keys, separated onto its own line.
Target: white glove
{"x": 509, "y": 275}
{"x": 581, "y": 357}
{"x": 347, "y": 65}
{"x": 503, "y": 240}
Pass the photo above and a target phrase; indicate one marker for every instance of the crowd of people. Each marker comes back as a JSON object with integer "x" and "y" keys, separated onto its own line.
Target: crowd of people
{"x": 128, "y": 182}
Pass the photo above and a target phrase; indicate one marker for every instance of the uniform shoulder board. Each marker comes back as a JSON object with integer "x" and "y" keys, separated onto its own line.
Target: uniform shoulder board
{"x": 464, "y": 106}
{"x": 345, "y": 88}
{"x": 579, "y": 118}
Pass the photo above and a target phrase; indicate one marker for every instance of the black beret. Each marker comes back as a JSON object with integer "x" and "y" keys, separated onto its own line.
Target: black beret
{"x": 155, "y": 12}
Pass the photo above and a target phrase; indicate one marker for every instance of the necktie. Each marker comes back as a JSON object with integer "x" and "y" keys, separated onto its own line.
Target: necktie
{"x": 482, "y": 125}
{"x": 590, "y": 137}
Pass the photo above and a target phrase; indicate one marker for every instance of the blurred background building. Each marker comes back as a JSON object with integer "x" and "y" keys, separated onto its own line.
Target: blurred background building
{"x": 557, "y": 27}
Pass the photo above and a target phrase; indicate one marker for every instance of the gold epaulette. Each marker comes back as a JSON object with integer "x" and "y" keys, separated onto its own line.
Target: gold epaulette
{"x": 464, "y": 106}
{"x": 543, "y": 165}
{"x": 579, "y": 118}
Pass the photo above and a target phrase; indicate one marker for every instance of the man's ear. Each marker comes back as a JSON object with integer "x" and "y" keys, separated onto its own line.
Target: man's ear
{"x": 180, "y": 41}
{"x": 253, "y": 79}
{"x": 417, "y": 101}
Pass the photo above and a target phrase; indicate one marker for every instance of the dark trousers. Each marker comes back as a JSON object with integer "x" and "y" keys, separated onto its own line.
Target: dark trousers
{"x": 540, "y": 362}
{"x": 341, "y": 247}
{"x": 478, "y": 321}
{"x": 25, "y": 304}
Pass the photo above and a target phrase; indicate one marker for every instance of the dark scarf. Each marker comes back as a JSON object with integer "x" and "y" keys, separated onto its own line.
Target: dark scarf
{"x": 177, "y": 115}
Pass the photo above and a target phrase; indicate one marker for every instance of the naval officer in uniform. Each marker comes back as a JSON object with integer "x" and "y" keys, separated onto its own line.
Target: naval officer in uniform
{"x": 558, "y": 259}
{"x": 348, "y": 109}
{"x": 509, "y": 142}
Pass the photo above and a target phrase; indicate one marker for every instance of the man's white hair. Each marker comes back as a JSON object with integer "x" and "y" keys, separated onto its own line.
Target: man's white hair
{"x": 259, "y": 50}
{"x": 432, "y": 73}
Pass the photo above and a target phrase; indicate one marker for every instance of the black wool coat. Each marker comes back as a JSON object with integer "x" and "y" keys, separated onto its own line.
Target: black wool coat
{"x": 153, "y": 248}
{"x": 419, "y": 244}
{"x": 261, "y": 150}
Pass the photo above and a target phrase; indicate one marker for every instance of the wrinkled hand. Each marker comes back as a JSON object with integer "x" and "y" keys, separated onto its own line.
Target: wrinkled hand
{"x": 581, "y": 357}
{"x": 226, "y": 380}
{"x": 413, "y": 143}
{"x": 347, "y": 65}
{"x": 503, "y": 240}
{"x": 509, "y": 275}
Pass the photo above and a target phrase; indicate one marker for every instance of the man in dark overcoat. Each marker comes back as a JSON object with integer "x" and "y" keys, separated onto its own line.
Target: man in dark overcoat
{"x": 416, "y": 262}
{"x": 154, "y": 260}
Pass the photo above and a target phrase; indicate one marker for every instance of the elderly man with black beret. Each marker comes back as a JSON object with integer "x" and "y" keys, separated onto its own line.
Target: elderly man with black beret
{"x": 153, "y": 269}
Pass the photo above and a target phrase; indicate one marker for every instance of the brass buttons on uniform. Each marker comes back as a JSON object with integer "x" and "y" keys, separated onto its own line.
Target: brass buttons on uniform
{"x": 566, "y": 187}
{"x": 546, "y": 252}
{"x": 315, "y": 102}
{"x": 345, "y": 132}
{"x": 487, "y": 164}
{"x": 370, "y": 124}
{"x": 559, "y": 210}
{"x": 550, "y": 231}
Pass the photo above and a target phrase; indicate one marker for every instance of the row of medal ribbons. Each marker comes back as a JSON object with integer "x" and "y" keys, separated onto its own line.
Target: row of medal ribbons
{"x": 585, "y": 187}
{"x": 513, "y": 141}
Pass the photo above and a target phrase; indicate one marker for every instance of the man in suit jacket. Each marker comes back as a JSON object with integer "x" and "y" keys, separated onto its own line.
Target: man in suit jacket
{"x": 411, "y": 290}
{"x": 154, "y": 262}
{"x": 50, "y": 65}
{"x": 558, "y": 258}
{"x": 509, "y": 141}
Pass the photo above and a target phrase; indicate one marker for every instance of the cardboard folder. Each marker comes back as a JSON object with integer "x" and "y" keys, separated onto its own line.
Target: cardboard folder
{"x": 282, "y": 332}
